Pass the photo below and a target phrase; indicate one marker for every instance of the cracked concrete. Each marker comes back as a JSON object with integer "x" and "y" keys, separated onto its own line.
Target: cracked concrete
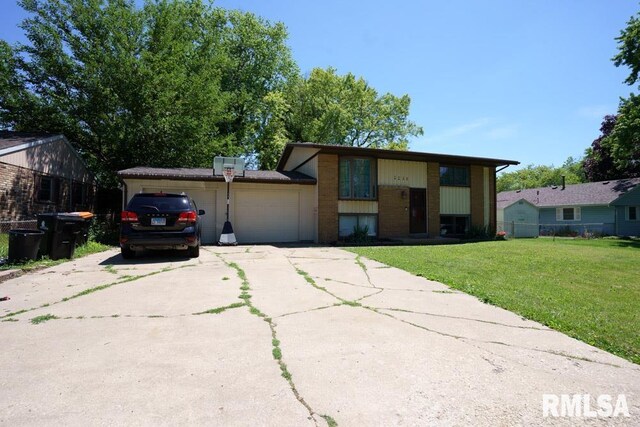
{"x": 404, "y": 351}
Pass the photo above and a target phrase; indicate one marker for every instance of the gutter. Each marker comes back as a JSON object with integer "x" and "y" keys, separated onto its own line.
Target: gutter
{"x": 310, "y": 181}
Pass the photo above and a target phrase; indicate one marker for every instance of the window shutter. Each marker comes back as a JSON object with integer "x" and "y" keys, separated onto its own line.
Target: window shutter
{"x": 558, "y": 214}
{"x": 576, "y": 214}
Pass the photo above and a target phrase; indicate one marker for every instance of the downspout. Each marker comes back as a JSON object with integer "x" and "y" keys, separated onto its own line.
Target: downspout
{"x": 494, "y": 201}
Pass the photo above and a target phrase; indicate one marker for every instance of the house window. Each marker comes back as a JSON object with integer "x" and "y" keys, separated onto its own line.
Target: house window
{"x": 568, "y": 214}
{"x": 357, "y": 178}
{"x": 632, "y": 213}
{"x": 47, "y": 189}
{"x": 351, "y": 222}
{"x": 456, "y": 176}
{"x": 79, "y": 194}
{"x": 456, "y": 225}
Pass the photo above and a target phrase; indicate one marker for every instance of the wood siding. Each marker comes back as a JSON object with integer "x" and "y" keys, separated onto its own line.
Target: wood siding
{"x": 402, "y": 173}
{"x": 358, "y": 206}
{"x": 455, "y": 201}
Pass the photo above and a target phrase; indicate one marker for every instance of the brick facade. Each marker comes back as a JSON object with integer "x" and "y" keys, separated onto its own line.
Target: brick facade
{"x": 18, "y": 191}
{"x": 433, "y": 199}
{"x": 327, "y": 198}
{"x": 393, "y": 211}
{"x": 476, "y": 177}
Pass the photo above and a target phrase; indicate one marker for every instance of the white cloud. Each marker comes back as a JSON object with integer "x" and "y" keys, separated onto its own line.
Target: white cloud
{"x": 501, "y": 132}
{"x": 595, "y": 111}
{"x": 459, "y": 130}
{"x": 484, "y": 129}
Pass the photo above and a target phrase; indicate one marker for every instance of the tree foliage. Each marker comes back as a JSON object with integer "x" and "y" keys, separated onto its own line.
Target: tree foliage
{"x": 328, "y": 108}
{"x": 170, "y": 84}
{"x": 175, "y": 82}
{"x": 598, "y": 162}
{"x": 615, "y": 154}
{"x": 624, "y": 140}
{"x": 533, "y": 176}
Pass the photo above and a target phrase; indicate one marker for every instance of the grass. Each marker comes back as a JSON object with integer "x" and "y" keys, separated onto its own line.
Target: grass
{"x": 88, "y": 248}
{"x": 44, "y": 318}
{"x": 588, "y": 289}
{"x": 219, "y": 310}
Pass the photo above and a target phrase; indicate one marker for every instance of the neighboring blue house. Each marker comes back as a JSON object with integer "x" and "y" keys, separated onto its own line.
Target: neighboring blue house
{"x": 606, "y": 207}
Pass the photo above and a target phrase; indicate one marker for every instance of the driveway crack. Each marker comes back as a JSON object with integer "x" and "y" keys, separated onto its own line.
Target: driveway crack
{"x": 123, "y": 279}
{"x": 469, "y": 341}
{"x": 364, "y": 269}
{"x": 275, "y": 342}
{"x": 401, "y": 310}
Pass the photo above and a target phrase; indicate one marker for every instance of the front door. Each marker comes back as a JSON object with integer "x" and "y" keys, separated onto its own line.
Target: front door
{"x": 418, "y": 210}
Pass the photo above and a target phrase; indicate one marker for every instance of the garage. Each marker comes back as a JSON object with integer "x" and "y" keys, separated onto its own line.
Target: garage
{"x": 266, "y": 206}
{"x": 267, "y": 216}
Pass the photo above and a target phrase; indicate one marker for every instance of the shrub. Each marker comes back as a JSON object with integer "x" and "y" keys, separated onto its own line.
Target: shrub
{"x": 103, "y": 229}
{"x": 359, "y": 235}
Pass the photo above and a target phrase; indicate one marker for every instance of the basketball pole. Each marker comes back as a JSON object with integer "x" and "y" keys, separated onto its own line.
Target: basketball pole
{"x": 228, "y": 184}
{"x": 228, "y": 237}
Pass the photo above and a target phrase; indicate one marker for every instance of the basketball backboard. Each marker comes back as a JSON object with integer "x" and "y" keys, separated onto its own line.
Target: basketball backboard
{"x": 220, "y": 163}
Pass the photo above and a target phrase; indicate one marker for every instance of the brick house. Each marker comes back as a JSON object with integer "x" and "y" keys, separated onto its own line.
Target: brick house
{"x": 320, "y": 193}
{"x": 41, "y": 173}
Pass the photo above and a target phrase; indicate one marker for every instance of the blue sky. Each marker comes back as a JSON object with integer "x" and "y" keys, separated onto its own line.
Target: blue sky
{"x": 526, "y": 80}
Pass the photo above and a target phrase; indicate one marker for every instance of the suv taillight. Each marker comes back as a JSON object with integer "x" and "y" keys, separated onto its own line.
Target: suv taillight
{"x": 126, "y": 216}
{"x": 189, "y": 216}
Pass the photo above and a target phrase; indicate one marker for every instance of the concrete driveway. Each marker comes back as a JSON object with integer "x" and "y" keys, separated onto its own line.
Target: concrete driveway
{"x": 280, "y": 336}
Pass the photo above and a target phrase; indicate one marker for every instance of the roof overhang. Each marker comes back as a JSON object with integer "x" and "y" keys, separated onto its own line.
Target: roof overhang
{"x": 196, "y": 175}
{"x": 392, "y": 154}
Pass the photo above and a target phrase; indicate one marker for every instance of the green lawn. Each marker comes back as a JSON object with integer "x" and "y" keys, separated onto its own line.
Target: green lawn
{"x": 588, "y": 289}
{"x": 89, "y": 248}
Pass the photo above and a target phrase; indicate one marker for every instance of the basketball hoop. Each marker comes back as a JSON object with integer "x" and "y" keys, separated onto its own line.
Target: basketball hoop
{"x": 228, "y": 172}
{"x": 228, "y": 167}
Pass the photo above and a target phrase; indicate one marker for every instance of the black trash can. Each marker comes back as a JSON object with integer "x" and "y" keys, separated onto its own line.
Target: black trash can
{"x": 83, "y": 235}
{"x": 61, "y": 232}
{"x": 23, "y": 245}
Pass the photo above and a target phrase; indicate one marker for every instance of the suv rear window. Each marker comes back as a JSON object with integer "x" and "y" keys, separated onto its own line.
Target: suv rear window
{"x": 162, "y": 203}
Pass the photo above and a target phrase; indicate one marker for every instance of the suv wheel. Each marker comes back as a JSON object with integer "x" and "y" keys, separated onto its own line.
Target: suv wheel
{"x": 127, "y": 253}
{"x": 194, "y": 251}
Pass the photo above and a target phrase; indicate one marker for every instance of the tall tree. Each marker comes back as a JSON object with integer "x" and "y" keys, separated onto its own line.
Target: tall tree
{"x": 624, "y": 140}
{"x": 170, "y": 84}
{"x": 616, "y": 152}
{"x": 534, "y": 176}
{"x": 598, "y": 162}
{"x": 344, "y": 110}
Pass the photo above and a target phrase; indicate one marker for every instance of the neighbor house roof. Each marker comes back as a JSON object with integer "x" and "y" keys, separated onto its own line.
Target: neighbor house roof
{"x": 590, "y": 193}
{"x": 391, "y": 154}
{"x": 16, "y": 141}
{"x": 12, "y": 142}
{"x": 206, "y": 174}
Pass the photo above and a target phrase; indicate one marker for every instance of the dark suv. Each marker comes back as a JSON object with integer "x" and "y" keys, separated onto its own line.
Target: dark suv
{"x": 160, "y": 221}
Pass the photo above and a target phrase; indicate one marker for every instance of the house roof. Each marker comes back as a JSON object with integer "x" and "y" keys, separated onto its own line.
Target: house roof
{"x": 16, "y": 141}
{"x": 206, "y": 174}
{"x": 12, "y": 142}
{"x": 501, "y": 204}
{"x": 590, "y": 193}
{"x": 391, "y": 154}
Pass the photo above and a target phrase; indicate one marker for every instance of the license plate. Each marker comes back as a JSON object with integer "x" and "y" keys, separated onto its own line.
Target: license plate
{"x": 158, "y": 221}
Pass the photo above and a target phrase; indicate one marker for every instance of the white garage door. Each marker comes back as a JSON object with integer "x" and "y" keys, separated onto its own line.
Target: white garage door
{"x": 204, "y": 200}
{"x": 266, "y": 216}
